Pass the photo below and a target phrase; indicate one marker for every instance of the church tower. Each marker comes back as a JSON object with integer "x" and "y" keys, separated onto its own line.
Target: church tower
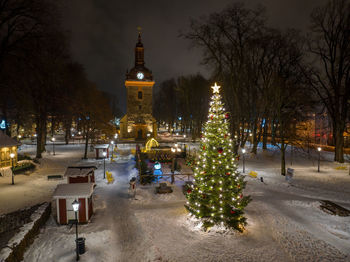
{"x": 138, "y": 123}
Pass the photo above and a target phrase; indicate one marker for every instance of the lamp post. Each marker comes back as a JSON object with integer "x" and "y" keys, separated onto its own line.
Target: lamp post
{"x": 319, "y": 158}
{"x": 75, "y": 206}
{"x": 243, "y": 152}
{"x": 73, "y": 138}
{"x": 112, "y": 143}
{"x": 104, "y": 164}
{"x": 12, "y": 155}
{"x": 174, "y": 149}
{"x": 53, "y": 145}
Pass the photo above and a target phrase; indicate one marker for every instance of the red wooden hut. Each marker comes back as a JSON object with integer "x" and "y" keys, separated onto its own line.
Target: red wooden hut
{"x": 80, "y": 174}
{"x": 100, "y": 149}
{"x": 65, "y": 194}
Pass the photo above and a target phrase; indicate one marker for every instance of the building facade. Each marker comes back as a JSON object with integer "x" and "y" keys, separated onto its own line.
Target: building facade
{"x": 138, "y": 123}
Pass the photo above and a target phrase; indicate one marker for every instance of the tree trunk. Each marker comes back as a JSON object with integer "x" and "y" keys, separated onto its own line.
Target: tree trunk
{"x": 86, "y": 142}
{"x": 257, "y": 139}
{"x": 40, "y": 135}
{"x": 283, "y": 158}
{"x": 68, "y": 125}
{"x": 265, "y": 136}
{"x": 338, "y": 134}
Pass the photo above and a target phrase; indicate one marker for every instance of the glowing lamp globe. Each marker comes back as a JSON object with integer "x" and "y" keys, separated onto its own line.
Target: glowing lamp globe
{"x": 112, "y": 142}
{"x": 12, "y": 155}
{"x": 243, "y": 150}
{"x": 104, "y": 154}
{"x": 53, "y": 139}
{"x": 319, "y": 149}
{"x": 75, "y": 205}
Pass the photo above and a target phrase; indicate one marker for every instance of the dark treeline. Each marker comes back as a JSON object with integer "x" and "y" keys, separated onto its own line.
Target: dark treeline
{"x": 183, "y": 101}
{"x": 273, "y": 79}
{"x": 40, "y": 82}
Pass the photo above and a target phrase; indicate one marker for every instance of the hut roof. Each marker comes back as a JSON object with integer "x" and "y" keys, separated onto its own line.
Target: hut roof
{"x": 74, "y": 190}
{"x": 6, "y": 141}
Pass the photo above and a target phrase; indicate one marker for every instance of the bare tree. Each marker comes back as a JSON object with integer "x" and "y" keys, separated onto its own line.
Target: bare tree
{"x": 329, "y": 43}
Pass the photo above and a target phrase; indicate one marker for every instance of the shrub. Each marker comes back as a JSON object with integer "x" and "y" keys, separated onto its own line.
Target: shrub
{"x": 23, "y": 167}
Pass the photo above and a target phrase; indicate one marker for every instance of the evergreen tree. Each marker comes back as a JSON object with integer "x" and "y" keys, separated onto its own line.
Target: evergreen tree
{"x": 216, "y": 196}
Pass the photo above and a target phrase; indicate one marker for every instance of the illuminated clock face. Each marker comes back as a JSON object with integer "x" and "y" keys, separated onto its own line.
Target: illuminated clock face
{"x": 140, "y": 75}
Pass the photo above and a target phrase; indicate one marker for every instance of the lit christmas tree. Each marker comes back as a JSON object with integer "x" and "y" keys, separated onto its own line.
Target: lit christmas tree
{"x": 217, "y": 194}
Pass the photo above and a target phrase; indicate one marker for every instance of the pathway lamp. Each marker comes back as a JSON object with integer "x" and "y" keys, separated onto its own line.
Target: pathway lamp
{"x": 53, "y": 145}
{"x": 12, "y": 155}
{"x": 104, "y": 164}
{"x": 243, "y": 153}
{"x": 319, "y": 158}
{"x": 112, "y": 143}
{"x": 75, "y": 206}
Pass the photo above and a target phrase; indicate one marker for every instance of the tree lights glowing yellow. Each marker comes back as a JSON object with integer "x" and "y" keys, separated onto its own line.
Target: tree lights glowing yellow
{"x": 217, "y": 194}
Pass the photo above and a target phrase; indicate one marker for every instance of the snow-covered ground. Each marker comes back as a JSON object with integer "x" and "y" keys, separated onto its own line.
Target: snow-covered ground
{"x": 36, "y": 188}
{"x": 284, "y": 219}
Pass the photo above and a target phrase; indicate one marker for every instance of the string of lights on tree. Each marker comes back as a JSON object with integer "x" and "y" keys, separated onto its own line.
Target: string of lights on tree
{"x": 216, "y": 197}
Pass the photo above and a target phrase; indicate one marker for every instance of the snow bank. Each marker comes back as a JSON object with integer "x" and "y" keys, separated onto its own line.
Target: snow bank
{"x": 17, "y": 244}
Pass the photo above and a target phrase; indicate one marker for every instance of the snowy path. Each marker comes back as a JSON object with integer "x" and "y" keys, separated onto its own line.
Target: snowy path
{"x": 124, "y": 225}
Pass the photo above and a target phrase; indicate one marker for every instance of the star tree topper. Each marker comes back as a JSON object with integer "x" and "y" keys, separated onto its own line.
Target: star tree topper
{"x": 215, "y": 88}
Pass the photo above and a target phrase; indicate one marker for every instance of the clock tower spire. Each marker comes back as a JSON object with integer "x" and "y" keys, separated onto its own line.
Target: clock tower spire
{"x": 138, "y": 123}
{"x": 139, "y": 52}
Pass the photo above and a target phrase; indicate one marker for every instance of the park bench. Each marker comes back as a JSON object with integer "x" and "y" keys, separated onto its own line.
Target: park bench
{"x": 334, "y": 209}
{"x": 54, "y": 177}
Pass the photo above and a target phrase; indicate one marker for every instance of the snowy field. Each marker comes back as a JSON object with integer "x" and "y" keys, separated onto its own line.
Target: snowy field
{"x": 36, "y": 188}
{"x": 284, "y": 219}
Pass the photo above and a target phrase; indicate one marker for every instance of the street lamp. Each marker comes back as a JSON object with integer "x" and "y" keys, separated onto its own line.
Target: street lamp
{"x": 73, "y": 138}
{"x": 75, "y": 206}
{"x": 104, "y": 164}
{"x": 243, "y": 152}
{"x": 12, "y": 155}
{"x": 53, "y": 145}
{"x": 112, "y": 143}
{"x": 319, "y": 158}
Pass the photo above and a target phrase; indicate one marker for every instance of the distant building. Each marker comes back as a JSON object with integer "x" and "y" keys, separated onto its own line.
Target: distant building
{"x": 7, "y": 146}
{"x": 138, "y": 123}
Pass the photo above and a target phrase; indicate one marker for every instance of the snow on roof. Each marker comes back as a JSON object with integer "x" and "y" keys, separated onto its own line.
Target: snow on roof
{"x": 102, "y": 146}
{"x": 78, "y": 171}
{"x": 5, "y": 140}
{"x": 74, "y": 190}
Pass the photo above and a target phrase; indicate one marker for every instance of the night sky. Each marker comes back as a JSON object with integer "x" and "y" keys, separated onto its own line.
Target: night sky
{"x": 103, "y": 34}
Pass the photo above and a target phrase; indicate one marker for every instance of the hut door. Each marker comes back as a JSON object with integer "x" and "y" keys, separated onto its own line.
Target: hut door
{"x": 70, "y": 211}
